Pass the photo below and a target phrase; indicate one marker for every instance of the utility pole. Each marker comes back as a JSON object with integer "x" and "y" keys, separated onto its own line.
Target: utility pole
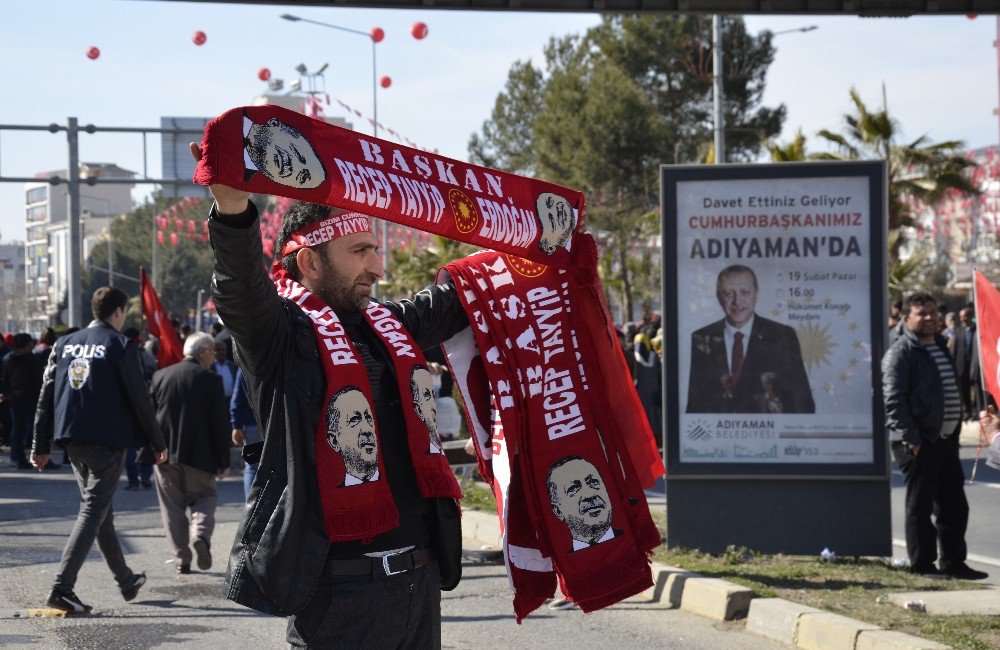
{"x": 73, "y": 198}
{"x": 720, "y": 118}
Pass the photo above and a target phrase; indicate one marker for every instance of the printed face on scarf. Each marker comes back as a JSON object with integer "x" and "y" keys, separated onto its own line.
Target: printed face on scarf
{"x": 579, "y": 498}
{"x": 351, "y": 432}
{"x": 425, "y": 403}
{"x": 555, "y": 215}
{"x": 283, "y": 154}
{"x": 348, "y": 267}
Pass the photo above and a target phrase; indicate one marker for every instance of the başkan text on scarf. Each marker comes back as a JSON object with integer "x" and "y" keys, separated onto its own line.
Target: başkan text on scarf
{"x": 272, "y": 150}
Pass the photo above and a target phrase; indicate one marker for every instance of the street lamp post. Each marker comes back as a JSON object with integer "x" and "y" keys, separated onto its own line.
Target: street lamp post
{"x": 375, "y": 35}
{"x": 719, "y": 118}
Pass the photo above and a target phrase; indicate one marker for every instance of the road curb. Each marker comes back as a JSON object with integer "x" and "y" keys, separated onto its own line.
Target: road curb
{"x": 775, "y": 618}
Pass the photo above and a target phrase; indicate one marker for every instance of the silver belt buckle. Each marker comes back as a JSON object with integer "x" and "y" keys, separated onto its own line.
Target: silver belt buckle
{"x": 385, "y": 564}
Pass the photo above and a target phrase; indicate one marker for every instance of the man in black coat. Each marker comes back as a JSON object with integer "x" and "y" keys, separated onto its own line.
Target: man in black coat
{"x": 193, "y": 414}
{"x": 20, "y": 383}
{"x": 294, "y": 569}
{"x": 733, "y": 358}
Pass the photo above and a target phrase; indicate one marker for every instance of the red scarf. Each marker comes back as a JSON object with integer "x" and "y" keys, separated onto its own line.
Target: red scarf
{"x": 272, "y": 150}
{"x": 568, "y": 493}
{"x": 357, "y": 502}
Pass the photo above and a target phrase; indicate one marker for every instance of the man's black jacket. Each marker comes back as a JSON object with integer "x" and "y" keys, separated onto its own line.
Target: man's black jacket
{"x": 281, "y": 545}
{"x": 193, "y": 414}
{"x": 105, "y": 403}
{"x": 912, "y": 390}
{"x": 21, "y": 378}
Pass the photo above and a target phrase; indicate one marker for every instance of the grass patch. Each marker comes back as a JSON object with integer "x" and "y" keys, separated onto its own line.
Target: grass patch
{"x": 857, "y": 588}
{"x": 476, "y": 496}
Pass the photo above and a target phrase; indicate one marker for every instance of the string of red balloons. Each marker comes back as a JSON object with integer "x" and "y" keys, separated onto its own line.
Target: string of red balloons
{"x": 418, "y": 30}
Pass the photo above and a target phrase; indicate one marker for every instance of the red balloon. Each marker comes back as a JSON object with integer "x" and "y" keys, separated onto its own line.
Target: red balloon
{"x": 419, "y": 30}
{"x": 971, "y": 16}
{"x": 199, "y": 38}
{"x": 377, "y": 34}
{"x": 385, "y": 81}
{"x": 173, "y": 239}
{"x": 263, "y": 74}
{"x": 159, "y": 238}
{"x": 93, "y": 53}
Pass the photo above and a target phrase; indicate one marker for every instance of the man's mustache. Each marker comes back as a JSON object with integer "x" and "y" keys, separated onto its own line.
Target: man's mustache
{"x": 592, "y": 503}
{"x": 366, "y": 278}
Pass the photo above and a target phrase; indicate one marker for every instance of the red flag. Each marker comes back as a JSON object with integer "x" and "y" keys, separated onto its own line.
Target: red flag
{"x": 171, "y": 350}
{"x": 988, "y": 328}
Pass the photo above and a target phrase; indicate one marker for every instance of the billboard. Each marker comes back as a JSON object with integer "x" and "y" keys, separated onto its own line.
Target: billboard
{"x": 776, "y": 276}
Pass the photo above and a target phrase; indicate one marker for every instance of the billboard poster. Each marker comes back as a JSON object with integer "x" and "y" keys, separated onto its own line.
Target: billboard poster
{"x": 778, "y": 290}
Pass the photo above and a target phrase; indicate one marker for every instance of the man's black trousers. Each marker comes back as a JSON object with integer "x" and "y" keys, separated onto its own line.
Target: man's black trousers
{"x": 934, "y": 486}
{"x": 399, "y": 612}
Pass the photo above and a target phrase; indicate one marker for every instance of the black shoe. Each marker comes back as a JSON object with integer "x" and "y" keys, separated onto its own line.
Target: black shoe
{"x": 130, "y": 590}
{"x": 965, "y": 572}
{"x": 183, "y": 569}
{"x": 202, "y": 549}
{"x": 147, "y": 485}
{"x": 131, "y": 488}
{"x": 67, "y": 601}
{"x": 51, "y": 466}
{"x": 23, "y": 464}
{"x": 929, "y": 572}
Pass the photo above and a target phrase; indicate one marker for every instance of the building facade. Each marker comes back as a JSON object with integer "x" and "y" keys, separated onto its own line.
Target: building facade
{"x": 46, "y": 246}
{"x": 13, "y": 306}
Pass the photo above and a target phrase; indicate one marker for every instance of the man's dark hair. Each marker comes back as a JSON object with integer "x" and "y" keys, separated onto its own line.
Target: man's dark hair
{"x": 299, "y": 214}
{"x": 733, "y": 270}
{"x": 898, "y": 305}
{"x": 918, "y": 299}
{"x": 131, "y": 333}
{"x": 106, "y": 300}
{"x": 22, "y": 340}
{"x": 48, "y": 336}
{"x": 216, "y": 328}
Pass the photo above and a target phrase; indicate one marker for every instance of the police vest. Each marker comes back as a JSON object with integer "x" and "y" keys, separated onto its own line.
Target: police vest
{"x": 90, "y": 402}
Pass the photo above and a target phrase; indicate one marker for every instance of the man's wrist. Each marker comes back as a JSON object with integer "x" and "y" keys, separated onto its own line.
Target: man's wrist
{"x": 232, "y": 208}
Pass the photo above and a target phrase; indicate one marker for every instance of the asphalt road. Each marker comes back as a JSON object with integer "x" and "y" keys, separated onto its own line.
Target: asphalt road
{"x": 36, "y": 515}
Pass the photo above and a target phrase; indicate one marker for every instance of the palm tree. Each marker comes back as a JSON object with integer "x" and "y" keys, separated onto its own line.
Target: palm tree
{"x": 792, "y": 152}
{"x": 919, "y": 171}
{"x": 412, "y": 269}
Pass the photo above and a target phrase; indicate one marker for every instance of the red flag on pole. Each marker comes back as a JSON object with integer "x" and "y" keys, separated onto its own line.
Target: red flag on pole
{"x": 987, "y": 300}
{"x": 171, "y": 350}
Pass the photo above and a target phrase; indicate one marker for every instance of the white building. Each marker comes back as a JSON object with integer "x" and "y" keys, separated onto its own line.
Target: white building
{"x": 46, "y": 246}
{"x": 13, "y": 306}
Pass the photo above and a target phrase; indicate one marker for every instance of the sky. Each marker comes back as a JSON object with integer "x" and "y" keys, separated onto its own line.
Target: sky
{"x": 940, "y": 73}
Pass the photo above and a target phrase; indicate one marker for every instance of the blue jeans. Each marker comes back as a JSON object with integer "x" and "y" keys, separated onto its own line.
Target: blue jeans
{"x": 134, "y": 471}
{"x": 97, "y": 469}
{"x": 249, "y": 472}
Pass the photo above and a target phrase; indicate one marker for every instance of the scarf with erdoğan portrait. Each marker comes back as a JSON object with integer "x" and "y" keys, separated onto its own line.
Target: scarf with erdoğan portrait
{"x": 357, "y": 501}
{"x": 547, "y": 394}
{"x": 561, "y": 435}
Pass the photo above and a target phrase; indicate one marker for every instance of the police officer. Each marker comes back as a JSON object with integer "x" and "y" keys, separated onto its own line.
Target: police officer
{"x": 94, "y": 403}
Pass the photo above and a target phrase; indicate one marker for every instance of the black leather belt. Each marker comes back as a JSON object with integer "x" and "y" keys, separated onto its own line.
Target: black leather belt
{"x": 379, "y": 567}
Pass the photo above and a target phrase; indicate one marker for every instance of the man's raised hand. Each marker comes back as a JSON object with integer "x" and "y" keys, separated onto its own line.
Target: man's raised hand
{"x": 229, "y": 200}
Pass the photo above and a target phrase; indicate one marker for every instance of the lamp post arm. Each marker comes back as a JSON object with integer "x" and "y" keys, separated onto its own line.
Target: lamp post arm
{"x": 331, "y": 26}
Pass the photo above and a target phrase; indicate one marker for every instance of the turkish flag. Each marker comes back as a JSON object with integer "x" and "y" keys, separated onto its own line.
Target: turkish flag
{"x": 988, "y": 330}
{"x": 171, "y": 350}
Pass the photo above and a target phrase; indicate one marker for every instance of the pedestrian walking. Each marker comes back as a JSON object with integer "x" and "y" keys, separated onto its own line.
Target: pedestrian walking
{"x": 94, "y": 403}
{"x": 923, "y": 412}
{"x": 191, "y": 410}
{"x": 20, "y": 383}
{"x": 245, "y": 432}
{"x": 140, "y": 473}
{"x": 364, "y": 548}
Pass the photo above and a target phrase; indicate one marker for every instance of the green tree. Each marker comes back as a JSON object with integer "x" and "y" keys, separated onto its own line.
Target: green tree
{"x": 183, "y": 269}
{"x": 616, "y": 102}
{"x": 919, "y": 171}
{"x": 412, "y": 269}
